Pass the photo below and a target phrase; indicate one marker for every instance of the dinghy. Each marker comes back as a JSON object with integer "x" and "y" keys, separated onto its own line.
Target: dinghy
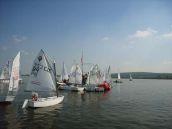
{"x": 95, "y": 78}
{"x": 14, "y": 80}
{"x": 76, "y": 78}
{"x": 64, "y": 79}
{"x": 130, "y": 78}
{"x": 42, "y": 79}
{"x": 119, "y": 78}
{"x": 106, "y": 80}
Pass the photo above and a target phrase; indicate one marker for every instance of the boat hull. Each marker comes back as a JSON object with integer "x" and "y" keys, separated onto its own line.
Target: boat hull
{"x": 4, "y": 80}
{"x": 8, "y": 98}
{"x": 45, "y": 102}
{"x": 71, "y": 88}
{"x": 94, "y": 88}
{"x": 118, "y": 81}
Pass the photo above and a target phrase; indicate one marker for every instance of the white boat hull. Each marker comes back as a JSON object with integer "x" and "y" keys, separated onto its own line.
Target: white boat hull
{"x": 94, "y": 88}
{"x": 45, "y": 102}
{"x": 71, "y": 88}
{"x": 4, "y": 80}
{"x": 8, "y": 99}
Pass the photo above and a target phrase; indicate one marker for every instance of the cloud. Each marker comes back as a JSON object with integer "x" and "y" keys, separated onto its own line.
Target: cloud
{"x": 25, "y": 52}
{"x": 18, "y": 39}
{"x": 142, "y": 34}
{"x": 105, "y": 38}
{"x": 167, "y": 36}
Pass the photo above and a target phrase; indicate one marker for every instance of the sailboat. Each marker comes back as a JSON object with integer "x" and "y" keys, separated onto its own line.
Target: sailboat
{"x": 14, "y": 80}
{"x": 106, "y": 80}
{"x": 95, "y": 77}
{"x": 76, "y": 78}
{"x": 119, "y": 78}
{"x": 5, "y": 73}
{"x": 64, "y": 78}
{"x": 42, "y": 79}
{"x": 130, "y": 78}
{"x": 108, "y": 75}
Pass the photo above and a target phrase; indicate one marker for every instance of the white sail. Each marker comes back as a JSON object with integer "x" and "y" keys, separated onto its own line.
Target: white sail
{"x": 119, "y": 77}
{"x": 107, "y": 75}
{"x": 75, "y": 75}
{"x": 95, "y": 76}
{"x": 64, "y": 74}
{"x": 5, "y": 73}
{"x": 2, "y": 74}
{"x": 42, "y": 77}
{"x": 131, "y": 78}
{"x": 15, "y": 74}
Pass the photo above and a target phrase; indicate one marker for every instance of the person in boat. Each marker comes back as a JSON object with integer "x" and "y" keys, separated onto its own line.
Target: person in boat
{"x": 65, "y": 81}
{"x": 84, "y": 79}
{"x": 34, "y": 96}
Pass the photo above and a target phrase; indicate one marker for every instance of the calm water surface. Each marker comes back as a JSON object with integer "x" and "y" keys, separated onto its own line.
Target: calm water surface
{"x": 140, "y": 104}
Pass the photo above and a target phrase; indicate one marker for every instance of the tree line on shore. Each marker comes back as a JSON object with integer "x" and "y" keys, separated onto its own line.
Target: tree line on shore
{"x": 143, "y": 75}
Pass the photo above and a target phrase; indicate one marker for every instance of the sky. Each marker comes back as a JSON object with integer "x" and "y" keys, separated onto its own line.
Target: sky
{"x": 128, "y": 35}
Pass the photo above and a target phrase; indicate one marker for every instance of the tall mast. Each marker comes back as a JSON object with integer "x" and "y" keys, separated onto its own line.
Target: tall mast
{"x": 62, "y": 72}
{"x": 82, "y": 68}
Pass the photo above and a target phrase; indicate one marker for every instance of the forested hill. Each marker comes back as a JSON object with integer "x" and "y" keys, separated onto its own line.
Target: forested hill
{"x": 144, "y": 75}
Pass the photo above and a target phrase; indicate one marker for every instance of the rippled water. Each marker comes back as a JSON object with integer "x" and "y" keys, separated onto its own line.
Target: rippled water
{"x": 140, "y": 104}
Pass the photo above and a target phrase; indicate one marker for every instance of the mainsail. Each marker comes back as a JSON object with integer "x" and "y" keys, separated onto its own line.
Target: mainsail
{"x": 75, "y": 75}
{"x": 95, "y": 75}
{"x": 42, "y": 77}
{"x": 108, "y": 75}
{"x": 15, "y": 74}
{"x": 64, "y": 74}
{"x": 119, "y": 77}
{"x": 131, "y": 78}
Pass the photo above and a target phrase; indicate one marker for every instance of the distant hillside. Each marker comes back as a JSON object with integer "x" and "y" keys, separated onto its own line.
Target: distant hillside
{"x": 144, "y": 75}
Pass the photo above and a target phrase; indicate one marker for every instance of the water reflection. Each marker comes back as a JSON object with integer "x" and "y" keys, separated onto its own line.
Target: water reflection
{"x": 8, "y": 116}
{"x": 138, "y": 104}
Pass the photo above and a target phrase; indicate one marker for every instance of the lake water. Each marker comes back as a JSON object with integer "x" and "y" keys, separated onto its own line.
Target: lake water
{"x": 137, "y": 104}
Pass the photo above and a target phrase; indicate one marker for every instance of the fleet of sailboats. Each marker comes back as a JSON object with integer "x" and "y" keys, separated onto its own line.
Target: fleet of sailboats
{"x": 43, "y": 79}
{"x": 74, "y": 81}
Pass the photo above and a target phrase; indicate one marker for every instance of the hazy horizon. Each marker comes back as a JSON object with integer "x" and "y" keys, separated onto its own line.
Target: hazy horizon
{"x": 128, "y": 35}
